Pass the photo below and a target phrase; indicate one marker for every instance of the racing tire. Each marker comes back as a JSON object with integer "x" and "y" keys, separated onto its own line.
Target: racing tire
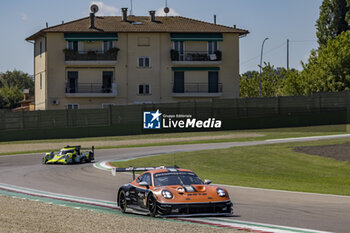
{"x": 152, "y": 206}
{"x": 122, "y": 202}
{"x": 89, "y": 158}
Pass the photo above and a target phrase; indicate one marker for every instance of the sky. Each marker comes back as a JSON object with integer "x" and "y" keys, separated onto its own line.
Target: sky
{"x": 277, "y": 20}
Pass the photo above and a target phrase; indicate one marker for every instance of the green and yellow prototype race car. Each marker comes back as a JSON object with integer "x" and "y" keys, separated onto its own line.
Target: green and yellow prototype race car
{"x": 70, "y": 155}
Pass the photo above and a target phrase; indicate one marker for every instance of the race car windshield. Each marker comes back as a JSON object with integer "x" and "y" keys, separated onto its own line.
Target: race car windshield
{"x": 176, "y": 178}
{"x": 63, "y": 152}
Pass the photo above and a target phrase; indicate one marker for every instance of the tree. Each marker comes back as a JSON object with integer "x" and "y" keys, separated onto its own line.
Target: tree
{"x": 10, "y": 96}
{"x": 333, "y": 20}
{"x": 271, "y": 82}
{"x": 18, "y": 79}
{"x": 328, "y": 68}
{"x": 12, "y": 84}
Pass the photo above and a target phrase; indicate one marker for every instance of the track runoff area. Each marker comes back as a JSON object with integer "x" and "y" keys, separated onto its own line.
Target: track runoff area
{"x": 111, "y": 207}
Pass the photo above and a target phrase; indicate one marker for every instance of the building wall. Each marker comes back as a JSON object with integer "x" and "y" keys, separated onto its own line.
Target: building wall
{"x": 127, "y": 74}
{"x": 229, "y": 68}
{"x": 40, "y": 73}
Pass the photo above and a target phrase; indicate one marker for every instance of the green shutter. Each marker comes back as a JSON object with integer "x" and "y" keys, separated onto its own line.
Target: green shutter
{"x": 90, "y": 36}
{"x": 195, "y": 68}
{"x": 196, "y": 37}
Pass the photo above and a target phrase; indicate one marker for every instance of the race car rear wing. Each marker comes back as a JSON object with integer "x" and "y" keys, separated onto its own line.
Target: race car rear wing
{"x": 79, "y": 148}
{"x": 138, "y": 169}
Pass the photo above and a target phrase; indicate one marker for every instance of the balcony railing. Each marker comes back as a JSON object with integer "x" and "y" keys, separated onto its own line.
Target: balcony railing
{"x": 110, "y": 55}
{"x": 195, "y": 56}
{"x": 198, "y": 88}
{"x": 89, "y": 88}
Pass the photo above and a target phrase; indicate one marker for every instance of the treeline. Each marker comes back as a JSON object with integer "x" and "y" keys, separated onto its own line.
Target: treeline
{"x": 12, "y": 84}
{"x": 327, "y": 69}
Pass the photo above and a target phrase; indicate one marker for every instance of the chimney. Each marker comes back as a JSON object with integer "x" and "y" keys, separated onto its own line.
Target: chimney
{"x": 234, "y": 26}
{"x": 214, "y": 19}
{"x": 47, "y": 24}
{"x": 125, "y": 14}
{"x": 92, "y": 20}
{"x": 152, "y": 15}
{"x": 26, "y": 94}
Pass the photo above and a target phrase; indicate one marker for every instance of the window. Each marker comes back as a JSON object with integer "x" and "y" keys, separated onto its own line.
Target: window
{"x": 144, "y": 89}
{"x": 144, "y": 62}
{"x": 212, "y": 47}
{"x": 179, "y": 46}
{"x": 72, "y": 106}
{"x": 179, "y": 82}
{"x": 107, "y": 105}
{"x": 41, "y": 81}
{"x": 146, "y": 178}
{"x": 72, "y": 82}
{"x": 73, "y": 45}
{"x": 107, "y": 45}
{"x": 107, "y": 79}
{"x": 41, "y": 48}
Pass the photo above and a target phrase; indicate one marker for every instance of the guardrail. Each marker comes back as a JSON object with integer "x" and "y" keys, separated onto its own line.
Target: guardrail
{"x": 196, "y": 56}
{"x": 71, "y": 55}
{"x": 88, "y": 88}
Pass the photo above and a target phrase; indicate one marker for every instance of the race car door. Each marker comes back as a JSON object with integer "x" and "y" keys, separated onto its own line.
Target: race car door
{"x": 141, "y": 191}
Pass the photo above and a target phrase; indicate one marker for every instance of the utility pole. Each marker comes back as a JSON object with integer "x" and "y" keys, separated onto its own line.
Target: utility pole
{"x": 287, "y": 54}
{"x": 261, "y": 58}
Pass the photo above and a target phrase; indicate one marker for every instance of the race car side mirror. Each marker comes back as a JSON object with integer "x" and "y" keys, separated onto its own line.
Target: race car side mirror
{"x": 144, "y": 184}
{"x": 207, "y": 181}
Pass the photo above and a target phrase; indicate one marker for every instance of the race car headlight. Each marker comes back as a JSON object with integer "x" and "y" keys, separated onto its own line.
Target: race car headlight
{"x": 167, "y": 194}
{"x": 221, "y": 192}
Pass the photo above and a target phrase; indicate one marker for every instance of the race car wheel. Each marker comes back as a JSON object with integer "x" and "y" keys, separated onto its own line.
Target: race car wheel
{"x": 152, "y": 206}
{"x": 122, "y": 202}
{"x": 89, "y": 158}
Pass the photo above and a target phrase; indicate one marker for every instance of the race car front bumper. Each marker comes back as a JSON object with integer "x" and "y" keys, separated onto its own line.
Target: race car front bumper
{"x": 195, "y": 209}
{"x": 58, "y": 161}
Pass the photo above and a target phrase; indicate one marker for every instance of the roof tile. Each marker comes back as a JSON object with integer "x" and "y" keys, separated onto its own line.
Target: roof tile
{"x": 169, "y": 24}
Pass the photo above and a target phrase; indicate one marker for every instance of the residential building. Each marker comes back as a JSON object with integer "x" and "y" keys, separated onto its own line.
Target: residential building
{"x": 96, "y": 61}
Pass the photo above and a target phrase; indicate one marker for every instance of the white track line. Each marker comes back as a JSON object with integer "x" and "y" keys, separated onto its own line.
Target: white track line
{"x": 309, "y": 138}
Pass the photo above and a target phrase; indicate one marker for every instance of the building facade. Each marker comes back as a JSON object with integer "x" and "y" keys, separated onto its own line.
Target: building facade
{"x": 97, "y": 61}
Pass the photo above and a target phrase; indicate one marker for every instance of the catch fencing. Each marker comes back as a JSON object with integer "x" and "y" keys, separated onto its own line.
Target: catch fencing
{"x": 245, "y": 113}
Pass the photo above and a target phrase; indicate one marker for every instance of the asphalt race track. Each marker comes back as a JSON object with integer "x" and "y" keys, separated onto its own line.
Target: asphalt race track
{"x": 313, "y": 211}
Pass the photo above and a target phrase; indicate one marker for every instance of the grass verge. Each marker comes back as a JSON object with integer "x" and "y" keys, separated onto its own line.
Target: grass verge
{"x": 265, "y": 166}
{"x": 181, "y": 138}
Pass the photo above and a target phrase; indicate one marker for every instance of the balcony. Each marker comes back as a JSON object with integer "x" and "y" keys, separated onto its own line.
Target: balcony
{"x": 197, "y": 90}
{"x": 195, "y": 57}
{"x": 91, "y": 90}
{"x": 91, "y": 57}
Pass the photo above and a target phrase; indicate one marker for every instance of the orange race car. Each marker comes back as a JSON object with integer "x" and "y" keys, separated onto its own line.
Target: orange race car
{"x": 171, "y": 191}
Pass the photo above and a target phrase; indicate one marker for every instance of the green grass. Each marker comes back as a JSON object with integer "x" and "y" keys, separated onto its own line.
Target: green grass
{"x": 267, "y": 166}
{"x": 266, "y": 134}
